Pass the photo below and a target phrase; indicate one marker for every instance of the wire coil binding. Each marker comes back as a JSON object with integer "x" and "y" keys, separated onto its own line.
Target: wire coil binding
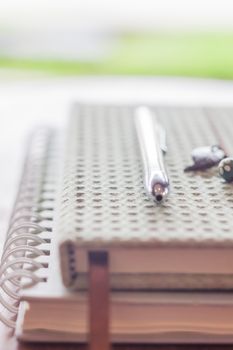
{"x": 29, "y": 232}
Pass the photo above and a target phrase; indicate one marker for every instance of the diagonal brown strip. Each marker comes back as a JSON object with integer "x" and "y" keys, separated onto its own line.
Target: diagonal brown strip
{"x": 99, "y": 308}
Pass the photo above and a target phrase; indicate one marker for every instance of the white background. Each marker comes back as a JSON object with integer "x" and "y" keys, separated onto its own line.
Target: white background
{"x": 115, "y": 14}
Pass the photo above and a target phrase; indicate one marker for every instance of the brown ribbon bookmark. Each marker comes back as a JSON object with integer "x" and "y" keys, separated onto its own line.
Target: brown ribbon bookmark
{"x": 99, "y": 305}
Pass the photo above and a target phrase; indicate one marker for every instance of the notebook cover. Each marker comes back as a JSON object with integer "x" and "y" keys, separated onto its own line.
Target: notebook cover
{"x": 103, "y": 203}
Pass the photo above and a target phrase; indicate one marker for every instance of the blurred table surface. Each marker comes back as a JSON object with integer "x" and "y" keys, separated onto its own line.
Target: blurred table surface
{"x": 29, "y": 100}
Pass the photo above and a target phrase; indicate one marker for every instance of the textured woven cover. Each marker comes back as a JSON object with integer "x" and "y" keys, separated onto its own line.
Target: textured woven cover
{"x": 103, "y": 201}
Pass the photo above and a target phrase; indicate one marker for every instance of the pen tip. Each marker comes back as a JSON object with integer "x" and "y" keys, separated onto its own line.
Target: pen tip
{"x": 159, "y": 193}
{"x": 159, "y": 198}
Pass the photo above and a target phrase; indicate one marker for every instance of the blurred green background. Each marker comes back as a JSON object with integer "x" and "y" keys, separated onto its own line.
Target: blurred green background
{"x": 196, "y": 55}
{"x": 152, "y": 38}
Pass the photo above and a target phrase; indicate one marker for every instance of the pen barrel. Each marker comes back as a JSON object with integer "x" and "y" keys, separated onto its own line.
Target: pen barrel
{"x": 149, "y": 136}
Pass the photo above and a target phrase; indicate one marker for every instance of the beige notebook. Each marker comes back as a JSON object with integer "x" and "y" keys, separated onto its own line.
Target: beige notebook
{"x": 186, "y": 243}
{"x": 171, "y": 266}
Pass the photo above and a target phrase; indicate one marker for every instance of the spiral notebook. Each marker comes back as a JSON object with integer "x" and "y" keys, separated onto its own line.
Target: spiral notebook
{"x": 24, "y": 262}
{"x": 170, "y": 267}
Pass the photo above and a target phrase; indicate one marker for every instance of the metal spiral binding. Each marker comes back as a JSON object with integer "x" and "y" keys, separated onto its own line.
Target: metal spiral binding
{"x": 29, "y": 232}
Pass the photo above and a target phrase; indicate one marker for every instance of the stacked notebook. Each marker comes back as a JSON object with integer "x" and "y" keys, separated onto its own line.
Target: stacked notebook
{"x": 171, "y": 266}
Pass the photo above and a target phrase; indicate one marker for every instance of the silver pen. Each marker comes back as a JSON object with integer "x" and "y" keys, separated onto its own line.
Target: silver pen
{"x": 152, "y": 141}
